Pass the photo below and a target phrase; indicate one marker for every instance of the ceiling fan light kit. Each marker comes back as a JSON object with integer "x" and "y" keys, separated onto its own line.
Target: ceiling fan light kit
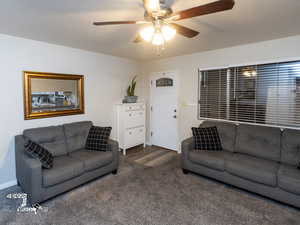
{"x": 157, "y": 35}
{"x": 161, "y": 19}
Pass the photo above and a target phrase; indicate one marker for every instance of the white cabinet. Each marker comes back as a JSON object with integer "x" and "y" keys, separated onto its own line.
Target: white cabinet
{"x": 130, "y": 125}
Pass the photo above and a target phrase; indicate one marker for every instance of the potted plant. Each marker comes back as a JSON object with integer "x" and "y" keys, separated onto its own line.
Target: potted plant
{"x": 131, "y": 98}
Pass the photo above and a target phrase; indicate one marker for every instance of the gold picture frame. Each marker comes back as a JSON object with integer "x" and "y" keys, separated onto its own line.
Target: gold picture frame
{"x": 52, "y": 94}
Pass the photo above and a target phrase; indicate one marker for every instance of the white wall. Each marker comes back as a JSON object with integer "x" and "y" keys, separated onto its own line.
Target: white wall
{"x": 187, "y": 66}
{"x": 106, "y": 78}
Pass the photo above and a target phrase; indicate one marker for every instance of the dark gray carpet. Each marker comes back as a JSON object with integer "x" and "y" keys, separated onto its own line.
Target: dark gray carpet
{"x": 141, "y": 195}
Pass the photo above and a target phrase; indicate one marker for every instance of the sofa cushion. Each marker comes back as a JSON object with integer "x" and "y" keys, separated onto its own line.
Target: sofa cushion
{"x": 93, "y": 159}
{"x": 64, "y": 168}
{"x": 227, "y": 133}
{"x": 207, "y": 138}
{"x": 76, "y": 134}
{"x": 259, "y": 141}
{"x": 51, "y": 138}
{"x": 212, "y": 159}
{"x": 290, "y": 150}
{"x": 289, "y": 179}
{"x": 252, "y": 168}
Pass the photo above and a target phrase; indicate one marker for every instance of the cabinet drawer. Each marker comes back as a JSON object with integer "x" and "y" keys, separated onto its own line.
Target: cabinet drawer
{"x": 134, "y": 119}
{"x": 134, "y": 108}
{"x": 134, "y": 136}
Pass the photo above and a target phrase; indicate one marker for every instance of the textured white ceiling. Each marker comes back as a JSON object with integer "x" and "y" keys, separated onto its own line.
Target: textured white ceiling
{"x": 69, "y": 23}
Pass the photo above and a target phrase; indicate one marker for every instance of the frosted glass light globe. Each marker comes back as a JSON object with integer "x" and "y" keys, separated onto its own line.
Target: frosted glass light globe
{"x": 147, "y": 33}
{"x": 168, "y": 32}
{"x": 158, "y": 39}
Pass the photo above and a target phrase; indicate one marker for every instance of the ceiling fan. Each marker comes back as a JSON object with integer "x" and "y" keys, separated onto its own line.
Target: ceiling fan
{"x": 161, "y": 20}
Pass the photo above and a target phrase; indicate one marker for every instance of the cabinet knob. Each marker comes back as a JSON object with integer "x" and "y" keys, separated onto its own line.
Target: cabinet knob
{"x": 130, "y": 133}
{"x": 130, "y": 114}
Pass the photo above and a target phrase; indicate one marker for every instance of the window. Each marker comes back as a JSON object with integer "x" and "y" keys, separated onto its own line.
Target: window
{"x": 164, "y": 82}
{"x": 263, "y": 94}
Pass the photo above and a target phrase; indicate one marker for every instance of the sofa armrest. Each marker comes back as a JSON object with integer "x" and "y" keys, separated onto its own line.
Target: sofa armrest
{"x": 114, "y": 147}
{"x": 28, "y": 171}
{"x": 186, "y": 146}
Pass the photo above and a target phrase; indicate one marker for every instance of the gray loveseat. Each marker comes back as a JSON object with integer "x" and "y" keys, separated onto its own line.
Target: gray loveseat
{"x": 73, "y": 165}
{"x": 256, "y": 158}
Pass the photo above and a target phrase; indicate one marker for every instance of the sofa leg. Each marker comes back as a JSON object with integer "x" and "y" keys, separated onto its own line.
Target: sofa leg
{"x": 185, "y": 171}
{"x": 114, "y": 172}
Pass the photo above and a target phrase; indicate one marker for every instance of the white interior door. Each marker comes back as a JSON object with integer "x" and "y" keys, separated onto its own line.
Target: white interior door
{"x": 164, "y": 110}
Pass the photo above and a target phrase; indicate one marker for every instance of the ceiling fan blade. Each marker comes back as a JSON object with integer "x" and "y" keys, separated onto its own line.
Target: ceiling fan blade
{"x": 187, "y": 32}
{"x": 218, "y": 6}
{"x": 118, "y": 23}
{"x": 152, "y": 5}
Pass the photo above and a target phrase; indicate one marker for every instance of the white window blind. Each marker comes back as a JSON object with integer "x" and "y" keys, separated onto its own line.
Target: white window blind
{"x": 264, "y": 94}
{"x": 213, "y": 94}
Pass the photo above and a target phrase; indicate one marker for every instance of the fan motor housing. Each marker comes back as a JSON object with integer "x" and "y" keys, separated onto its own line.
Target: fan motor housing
{"x": 164, "y": 13}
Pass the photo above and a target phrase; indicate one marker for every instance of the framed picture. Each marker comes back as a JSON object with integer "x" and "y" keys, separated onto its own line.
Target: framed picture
{"x": 52, "y": 94}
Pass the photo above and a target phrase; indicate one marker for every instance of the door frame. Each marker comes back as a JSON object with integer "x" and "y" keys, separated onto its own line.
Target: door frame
{"x": 164, "y": 74}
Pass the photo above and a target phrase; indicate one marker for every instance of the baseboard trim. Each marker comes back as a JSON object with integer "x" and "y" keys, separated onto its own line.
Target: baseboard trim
{"x": 8, "y": 184}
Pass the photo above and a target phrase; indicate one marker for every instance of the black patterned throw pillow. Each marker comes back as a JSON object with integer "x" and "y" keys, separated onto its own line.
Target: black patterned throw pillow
{"x": 98, "y": 138}
{"x": 207, "y": 138}
{"x": 38, "y": 152}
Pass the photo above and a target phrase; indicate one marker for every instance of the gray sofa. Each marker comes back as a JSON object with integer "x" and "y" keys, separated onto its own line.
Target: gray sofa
{"x": 72, "y": 166}
{"x": 256, "y": 158}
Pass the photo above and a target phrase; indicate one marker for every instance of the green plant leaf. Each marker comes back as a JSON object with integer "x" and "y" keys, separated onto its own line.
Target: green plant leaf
{"x": 133, "y": 80}
{"x": 133, "y": 88}
{"x": 128, "y": 91}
